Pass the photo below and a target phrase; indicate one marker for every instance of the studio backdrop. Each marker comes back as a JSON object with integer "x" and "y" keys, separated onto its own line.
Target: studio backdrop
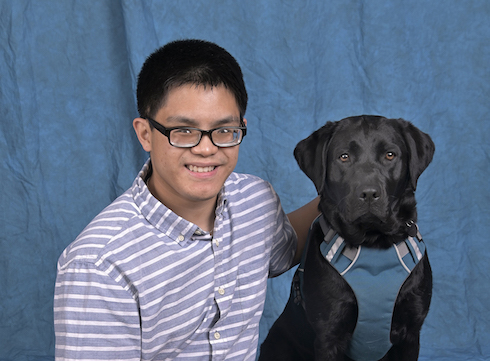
{"x": 68, "y": 71}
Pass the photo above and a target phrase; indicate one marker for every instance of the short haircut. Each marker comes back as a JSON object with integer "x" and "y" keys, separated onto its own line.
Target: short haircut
{"x": 184, "y": 62}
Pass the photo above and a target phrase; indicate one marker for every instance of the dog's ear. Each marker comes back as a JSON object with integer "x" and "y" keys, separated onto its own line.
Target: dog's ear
{"x": 421, "y": 150}
{"x": 311, "y": 153}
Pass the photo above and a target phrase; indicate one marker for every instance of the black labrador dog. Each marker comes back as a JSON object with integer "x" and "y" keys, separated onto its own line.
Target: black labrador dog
{"x": 363, "y": 288}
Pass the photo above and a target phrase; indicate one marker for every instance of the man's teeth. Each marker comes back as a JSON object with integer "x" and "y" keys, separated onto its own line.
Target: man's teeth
{"x": 196, "y": 169}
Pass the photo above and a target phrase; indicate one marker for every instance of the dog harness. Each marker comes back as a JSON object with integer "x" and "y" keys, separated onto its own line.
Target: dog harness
{"x": 375, "y": 276}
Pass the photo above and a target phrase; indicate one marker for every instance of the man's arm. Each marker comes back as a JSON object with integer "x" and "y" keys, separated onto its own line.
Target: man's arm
{"x": 94, "y": 317}
{"x": 301, "y": 220}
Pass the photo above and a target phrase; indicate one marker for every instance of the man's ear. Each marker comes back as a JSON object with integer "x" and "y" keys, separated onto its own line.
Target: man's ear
{"x": 245, "y": 121}
{"x": 143, "y": 132}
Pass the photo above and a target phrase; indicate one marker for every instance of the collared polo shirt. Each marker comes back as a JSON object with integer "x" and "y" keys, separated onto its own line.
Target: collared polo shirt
{"x": 142, "y": 283}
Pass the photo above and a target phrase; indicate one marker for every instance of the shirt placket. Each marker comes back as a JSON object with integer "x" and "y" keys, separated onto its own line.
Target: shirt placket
{"x": 217, "y": 334}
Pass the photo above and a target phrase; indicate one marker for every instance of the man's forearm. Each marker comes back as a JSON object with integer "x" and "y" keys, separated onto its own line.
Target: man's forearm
{"x": 301, "y": 220}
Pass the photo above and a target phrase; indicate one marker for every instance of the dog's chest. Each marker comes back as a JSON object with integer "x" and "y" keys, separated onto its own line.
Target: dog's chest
{"x": 376, "y": 277}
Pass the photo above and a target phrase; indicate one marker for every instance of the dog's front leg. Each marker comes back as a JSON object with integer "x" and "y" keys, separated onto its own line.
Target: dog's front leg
{"x": 411, "y": 308}
{"x": 330, "y": 306}
{"x": 333, "y": 321}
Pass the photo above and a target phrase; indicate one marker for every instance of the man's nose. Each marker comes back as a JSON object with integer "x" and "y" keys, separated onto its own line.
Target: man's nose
{"x": 205, "y": 146}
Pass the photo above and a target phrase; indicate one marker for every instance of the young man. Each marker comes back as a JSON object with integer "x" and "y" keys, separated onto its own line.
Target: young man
{"x": 177, "y": 266}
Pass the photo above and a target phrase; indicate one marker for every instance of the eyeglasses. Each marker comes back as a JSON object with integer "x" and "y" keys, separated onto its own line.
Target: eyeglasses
{"x": 185, "y": 137}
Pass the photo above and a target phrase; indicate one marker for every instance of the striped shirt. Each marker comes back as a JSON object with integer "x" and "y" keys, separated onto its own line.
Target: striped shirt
{"x": 142, "y": 283}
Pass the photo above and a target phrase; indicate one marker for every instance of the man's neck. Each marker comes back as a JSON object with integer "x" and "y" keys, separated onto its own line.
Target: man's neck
{"x": 201, "y": 213}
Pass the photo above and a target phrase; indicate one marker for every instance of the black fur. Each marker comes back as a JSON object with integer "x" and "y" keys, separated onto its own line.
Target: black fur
{"x": 365, "y": 169}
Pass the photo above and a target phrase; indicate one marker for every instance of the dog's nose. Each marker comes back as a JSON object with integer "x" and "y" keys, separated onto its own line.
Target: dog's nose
{"x": 369, "y": 194}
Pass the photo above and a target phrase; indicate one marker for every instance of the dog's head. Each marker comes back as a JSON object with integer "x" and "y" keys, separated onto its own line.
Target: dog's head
{"x": 365, "y": 169}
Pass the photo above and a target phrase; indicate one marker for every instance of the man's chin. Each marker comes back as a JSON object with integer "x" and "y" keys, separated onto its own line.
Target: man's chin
{"x": 203, "y": 195}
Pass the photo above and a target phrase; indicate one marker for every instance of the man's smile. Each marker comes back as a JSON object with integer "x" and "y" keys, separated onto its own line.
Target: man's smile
{"x": 197, "y": 169}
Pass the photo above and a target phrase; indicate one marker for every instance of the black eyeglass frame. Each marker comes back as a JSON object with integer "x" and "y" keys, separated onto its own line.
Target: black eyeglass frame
{"x": 166, "y": 132}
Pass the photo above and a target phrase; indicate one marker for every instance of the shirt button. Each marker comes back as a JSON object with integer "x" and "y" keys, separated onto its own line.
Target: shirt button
{"x": 180, "y": 238}
{"x": 221, "y": 291}
{"x": 216, "y": 242}
{"x": 217, "y": 335}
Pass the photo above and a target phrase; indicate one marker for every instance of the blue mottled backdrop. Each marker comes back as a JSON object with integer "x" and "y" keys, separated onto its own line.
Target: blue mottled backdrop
{"x": 67, "y": 149}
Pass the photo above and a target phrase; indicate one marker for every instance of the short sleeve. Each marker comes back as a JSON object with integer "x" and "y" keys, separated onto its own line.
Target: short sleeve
{"x": 284, "y": 242}
{"x": 95, "y": 318}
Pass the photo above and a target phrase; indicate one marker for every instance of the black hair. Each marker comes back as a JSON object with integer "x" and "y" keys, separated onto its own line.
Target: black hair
{"x": 183, "y": 62}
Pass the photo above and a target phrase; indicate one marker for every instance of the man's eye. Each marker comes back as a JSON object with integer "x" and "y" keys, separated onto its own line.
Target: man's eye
{"x": 183, "y": 131}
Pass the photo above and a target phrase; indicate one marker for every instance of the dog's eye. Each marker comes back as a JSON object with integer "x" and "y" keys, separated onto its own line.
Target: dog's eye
{"x": 344, "y": 157}
{"x": 390, "y": 155}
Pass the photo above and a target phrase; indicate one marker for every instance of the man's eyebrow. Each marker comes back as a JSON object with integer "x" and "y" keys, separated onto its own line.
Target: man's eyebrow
{"x": 188, "y": 122}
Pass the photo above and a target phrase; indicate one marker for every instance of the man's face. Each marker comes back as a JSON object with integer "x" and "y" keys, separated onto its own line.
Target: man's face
{"x": 184, "y": 176}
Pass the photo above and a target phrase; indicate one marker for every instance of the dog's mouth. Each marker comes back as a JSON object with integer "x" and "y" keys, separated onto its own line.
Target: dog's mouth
{"x": 370, "y": 219}
{"x": 359, "y": 211}
{"x": 374, "y": 224}
{"x": 369, "y": 229}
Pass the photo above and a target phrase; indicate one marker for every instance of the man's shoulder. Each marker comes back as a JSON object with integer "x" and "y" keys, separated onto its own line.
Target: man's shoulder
{"x": 108, "y": 225}
{"x": 244, "y": 182}
{"x": 249, "y": 191}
